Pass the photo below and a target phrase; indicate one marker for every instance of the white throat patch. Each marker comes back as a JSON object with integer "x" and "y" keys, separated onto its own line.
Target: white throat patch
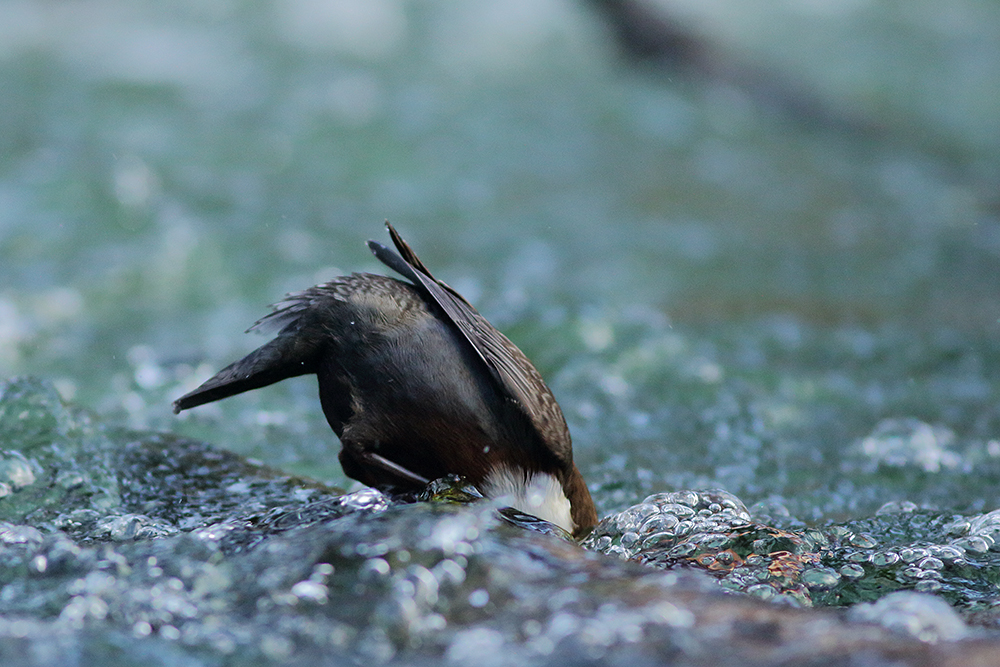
{"x": 540, "y": 494}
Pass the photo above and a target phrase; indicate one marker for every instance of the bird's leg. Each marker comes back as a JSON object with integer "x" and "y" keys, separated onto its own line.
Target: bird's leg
{"x": 374, "y": 469}
{"x": 380, "y": 461}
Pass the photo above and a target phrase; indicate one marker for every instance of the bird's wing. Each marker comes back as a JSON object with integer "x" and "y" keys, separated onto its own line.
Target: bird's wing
{"x": 508, "y": 365}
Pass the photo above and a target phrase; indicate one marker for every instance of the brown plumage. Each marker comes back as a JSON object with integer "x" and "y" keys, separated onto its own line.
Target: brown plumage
{"x": 417, "y": 385}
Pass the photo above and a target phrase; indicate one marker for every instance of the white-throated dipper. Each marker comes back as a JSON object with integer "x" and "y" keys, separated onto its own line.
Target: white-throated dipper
{"x": 418, "y": 385}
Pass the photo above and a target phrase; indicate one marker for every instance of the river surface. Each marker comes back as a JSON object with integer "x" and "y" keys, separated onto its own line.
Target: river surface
{"x": 793, "y": 304}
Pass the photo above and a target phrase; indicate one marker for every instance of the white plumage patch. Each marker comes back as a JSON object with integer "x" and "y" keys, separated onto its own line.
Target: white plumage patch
{"x": 540, "y": 495}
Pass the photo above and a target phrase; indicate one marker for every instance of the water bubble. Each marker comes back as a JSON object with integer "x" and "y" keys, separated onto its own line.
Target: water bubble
{"x": 927, "y": 586}
{"x": 659, "y": 523}
{"x": 986, "y": 525}
{"x": 689, "y": 498}
{"x": 619, "y": 551}
{"x": 897, "y": 507}
{"x": 683, "y": 528}
{"x": 959, "y": 526}
{"x": 658, "y": 540}
{"x": 377, "y": 566}
{"x": 683, "y": 550}
{"x": 946, "y": 552}
{"x": 930, "y": 563}
{"x": 15, "y": 470}
{"x": 885, "y": 558}
{"x": 634, "y": 516}
{"x": 726, "y": 558}
{"x": 676, "y": 510}
{"x": 863, "y": 541}
{"x": 450, "y": 571}
{"x": 311, "y": 591}
{"x": 365, "y": 500}
{"x": 820, "y": 578}
{"x": 909, "y": 441}
{"x": 127, "y": 527}
{"x": 976, "y": 544}
{"x": 40, "y": 563}
{"x": 18, "y": 534}
{"x": 711, "y": 540}
{"x": 852, "y": 571}
{"x": 479, "y": 598}
{"x": 912, "y": 554}
{"x": 71, "y": 479}
{"x": 839, "y": 532}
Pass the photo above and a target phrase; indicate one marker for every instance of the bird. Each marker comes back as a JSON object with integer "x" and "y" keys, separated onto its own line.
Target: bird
{"x": 417, "y": 385}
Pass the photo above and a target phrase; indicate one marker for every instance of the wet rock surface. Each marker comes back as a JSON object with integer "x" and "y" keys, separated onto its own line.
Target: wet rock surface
{"x": 902, "y": 548}
{"x": 125, "y": 548}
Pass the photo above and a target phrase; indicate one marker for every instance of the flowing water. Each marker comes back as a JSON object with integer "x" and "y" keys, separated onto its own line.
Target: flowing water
{"x": 775, "y": 339}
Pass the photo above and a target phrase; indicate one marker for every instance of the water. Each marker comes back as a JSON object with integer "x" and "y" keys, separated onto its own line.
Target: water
{"x": 131, "y": 547}
{"x": 721, "y": 295}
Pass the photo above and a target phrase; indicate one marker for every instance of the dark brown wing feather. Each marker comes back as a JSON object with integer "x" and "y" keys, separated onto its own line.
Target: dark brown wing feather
{"x": 511, "y": 368}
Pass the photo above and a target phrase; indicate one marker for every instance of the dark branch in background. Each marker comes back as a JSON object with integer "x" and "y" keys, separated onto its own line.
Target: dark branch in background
{"x": 647, "y": 34}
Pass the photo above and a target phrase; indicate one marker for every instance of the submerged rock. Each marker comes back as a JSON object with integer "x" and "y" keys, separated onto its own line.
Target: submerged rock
{"x": 902, "y": 548}
{"x": 140, "y": 548}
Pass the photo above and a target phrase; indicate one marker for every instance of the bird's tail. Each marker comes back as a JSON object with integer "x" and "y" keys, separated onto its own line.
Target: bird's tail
{"x": 284, "y": 357}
